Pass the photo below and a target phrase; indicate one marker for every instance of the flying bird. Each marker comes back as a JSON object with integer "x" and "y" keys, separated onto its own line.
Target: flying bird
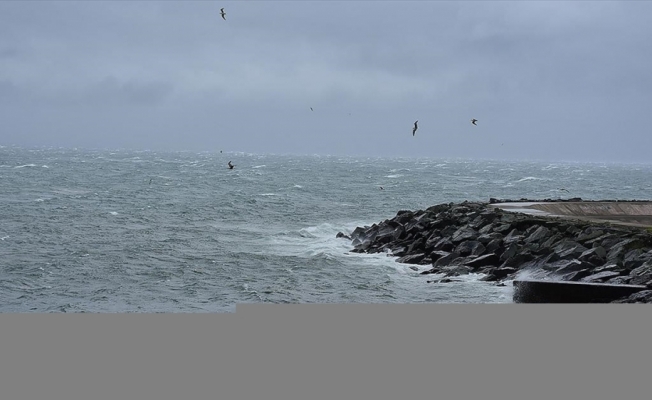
{"x": 231, "y": 165}
{"x": 223, "y": 14}
{"x": 414, "y": 130}
{"x": 311, "y": 109}
{"x": 473, "y": 121}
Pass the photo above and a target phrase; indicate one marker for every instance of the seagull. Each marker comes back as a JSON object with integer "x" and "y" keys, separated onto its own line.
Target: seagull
{"x": 473, "y": 121}
{"x": 223, "y": 14}
{"x": 231, "y": 165}
{"x": 415, "y": 127}
{"x": 565, "y": 190}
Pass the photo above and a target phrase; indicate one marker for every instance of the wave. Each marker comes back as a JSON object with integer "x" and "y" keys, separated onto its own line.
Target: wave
{"x": 530, "y": 178}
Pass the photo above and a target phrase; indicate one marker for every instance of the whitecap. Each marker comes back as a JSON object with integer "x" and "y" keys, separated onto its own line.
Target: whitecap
{"x": 298, "y": 186}
{"x": 44, "y": 166}
{"x": 258, "y": 166}
{"x": 268, "y": 194}
{"x": 26, "y": 165}
{"x": 529, "y": 178}
{"x": 113, "y": 213}
{"x": 394, "y": 176}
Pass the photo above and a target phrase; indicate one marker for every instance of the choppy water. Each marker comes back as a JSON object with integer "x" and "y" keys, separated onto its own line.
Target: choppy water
{"x": 88, "y": 231}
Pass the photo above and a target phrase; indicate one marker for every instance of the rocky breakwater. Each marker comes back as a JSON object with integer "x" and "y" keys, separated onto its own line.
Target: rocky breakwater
{"x": 454, "y": 239}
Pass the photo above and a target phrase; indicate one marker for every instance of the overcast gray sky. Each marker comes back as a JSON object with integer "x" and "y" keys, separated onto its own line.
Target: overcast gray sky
{"x": 546, "y": 80}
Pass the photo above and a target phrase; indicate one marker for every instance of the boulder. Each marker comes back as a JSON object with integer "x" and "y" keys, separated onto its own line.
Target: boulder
{"x": 576, "y": 275}
{"x": 514, "y": 236}
{"x": 484, "y": 260}
{"x": 566, "y": 266}
{"x": 437, "y": 254}
{"x": 342, "y": 235}
{"x": 570, "y": 251}
{"x": 499, "y": 273}
{"x": 589, "y": 233}
{"x": 412, "y": 258}
{"x": 470, "y": 247}
{"x": 495, "y": 246}
{"x": 444, "y": 244}
{"x": 456, "y": 270}
{"x": 509, "y": 252}
{"x": 644, "y": 296}
{"x": 502, "y": 228}
{"x": 600, "y": 276}
{"x": 538, "y": 235}
{"x": 595, "y": 256}
{"x": 464, "y": 233}
{"x": 641, "y": 275}
{"x": 445, "y": 260}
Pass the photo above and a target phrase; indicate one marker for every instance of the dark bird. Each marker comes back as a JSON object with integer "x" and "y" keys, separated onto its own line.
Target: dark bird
{"x": 381, "y": 188}
{"x": 473, "y": 121}
{"x": 223, "y": 14}
{"x": 231, "y": 165}
{"x": 414, "y": 130}
{"x": 565, "y": 190}
{"x": 311, "y": 109}
{"x": 150, "y": 181}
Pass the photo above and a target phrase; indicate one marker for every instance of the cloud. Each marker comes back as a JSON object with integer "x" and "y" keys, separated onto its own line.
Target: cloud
{"x": 533, "y": 73}
{"x": 111, "y": 91}
{"x": 8, "y": 52}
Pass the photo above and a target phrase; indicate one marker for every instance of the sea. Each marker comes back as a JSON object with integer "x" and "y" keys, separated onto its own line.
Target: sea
{"x": 122, "y": 231}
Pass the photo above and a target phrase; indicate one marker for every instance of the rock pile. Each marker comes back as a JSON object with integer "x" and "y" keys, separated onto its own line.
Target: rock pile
{"x": 470, "y": 237}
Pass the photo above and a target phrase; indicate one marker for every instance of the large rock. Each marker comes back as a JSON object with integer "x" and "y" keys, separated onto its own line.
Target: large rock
{"x": 570, "y": 250}
{"x": 444, "y": 244}
{"x": 595, "y": 256}
{"x": 514, "y": 236}
{"x": 538, "y": 235}
{"x": 412, "y": 259}
{"x": 437, "y": 254}
{"x": 470, "y": 247}
{"x": 590, "y": 233}
{"x": 456, "y": 270}
{"x": 464, "y": 233}
{"x": 484, "y": 260}
{"x": 600, "y": 276}
{"x": 445, "y": 260}
{"x": 642, "y": 275}
{"x": 644, "y": 296}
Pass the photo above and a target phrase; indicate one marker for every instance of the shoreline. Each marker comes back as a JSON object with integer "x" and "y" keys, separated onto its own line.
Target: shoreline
{"x": 593, "y": 242}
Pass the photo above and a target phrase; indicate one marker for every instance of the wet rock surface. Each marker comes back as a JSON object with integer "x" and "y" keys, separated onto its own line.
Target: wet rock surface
{"x": 454, "y": 239}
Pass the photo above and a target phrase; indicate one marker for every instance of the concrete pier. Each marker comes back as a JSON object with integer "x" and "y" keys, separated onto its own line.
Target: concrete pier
{"x": 539, "y": 291}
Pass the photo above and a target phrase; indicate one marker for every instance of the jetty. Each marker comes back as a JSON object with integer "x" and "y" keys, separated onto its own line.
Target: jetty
{"x": 600, "y": 248}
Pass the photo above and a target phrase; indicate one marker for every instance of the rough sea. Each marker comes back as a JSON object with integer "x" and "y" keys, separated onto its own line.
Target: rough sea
{"x": 144, "y": 231}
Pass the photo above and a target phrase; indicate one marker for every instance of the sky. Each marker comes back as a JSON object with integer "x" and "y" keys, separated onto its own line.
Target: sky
{"x": 546, "y": 80}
